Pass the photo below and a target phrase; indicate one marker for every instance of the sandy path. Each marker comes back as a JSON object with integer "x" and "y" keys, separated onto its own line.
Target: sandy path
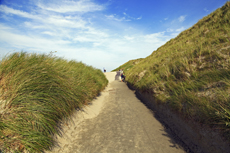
{"x": 89, "y": 112}
{"x": 116, "y": 122}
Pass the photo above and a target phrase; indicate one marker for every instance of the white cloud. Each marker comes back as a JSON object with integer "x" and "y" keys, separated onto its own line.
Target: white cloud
{"x": 175, "y": 30}
{"x": 49, "y": 33}
{"x": 170, "y": 30}
{"x": 4, "y": 27}
{"x": 5, "y": 9}
{"x": 61, "y": 21}
{"x": 129, "y": 38}
{"x": 54, "y": 27}
{"x": 25, "y": 41}
{"x": 98, "y": 45}
{"x": 182, "y": 18}
{"x": 44, "y": 19}
{"x": 113, "y": 17}
{"x": 174, "y": 34}
{"x": 34, "y": 25}
{"x": 68, "y": 6}
{"x": 132, "y": 18}
{"x": 155, "y": 37}
{"x": 180, "y": 29}
{"x": 96, "y": 33}
{"x": 206, "y": 10}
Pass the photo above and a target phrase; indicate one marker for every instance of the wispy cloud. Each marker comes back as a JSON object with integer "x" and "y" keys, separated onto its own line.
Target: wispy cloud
{"x": 43, "y": 29}
{"x": 175, "y": 31}
{"x": 116, "y": 18}
{"x": 132, "y": 18}
{"x": 129, "y": 38}
{"x": 206, "y": 10}
{"x": 126, "y": 17}
{"x": 180, "y": 29}
{"x": 7, "y": 10}
{"x": 68, "y": 6}
{"x": 57, "y": 20}
{"x": 182, "y": 18}
{"x": 65, "y": 26}
{"x": 31, "y": 42}
{"x": 170, "y": 30}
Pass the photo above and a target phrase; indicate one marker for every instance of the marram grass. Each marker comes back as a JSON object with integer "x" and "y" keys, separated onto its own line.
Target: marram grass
{"x": 37, "y": 92}
{"x": 191, "y": 73}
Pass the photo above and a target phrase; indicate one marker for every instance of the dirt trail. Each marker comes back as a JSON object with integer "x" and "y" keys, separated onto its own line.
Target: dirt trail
{"x": 118, "y": 122}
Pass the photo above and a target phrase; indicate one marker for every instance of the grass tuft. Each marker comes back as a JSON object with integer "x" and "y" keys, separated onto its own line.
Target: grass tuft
{"x": 37, "y": 92}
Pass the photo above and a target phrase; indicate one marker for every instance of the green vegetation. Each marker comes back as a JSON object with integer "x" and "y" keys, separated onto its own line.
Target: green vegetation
{"x": 128, "y": 65}
{"x": 191, "y": 73}
{"x": 37, "y": 93}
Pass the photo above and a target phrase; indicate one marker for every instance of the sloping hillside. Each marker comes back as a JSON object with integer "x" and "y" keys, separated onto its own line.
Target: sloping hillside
{"x": 37, "y": 93}
{"x": 128, "y": 64}
{"x": 191, "y": 73}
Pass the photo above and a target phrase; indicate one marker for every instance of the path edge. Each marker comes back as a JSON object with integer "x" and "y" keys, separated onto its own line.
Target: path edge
{"x": 199, "y": 138}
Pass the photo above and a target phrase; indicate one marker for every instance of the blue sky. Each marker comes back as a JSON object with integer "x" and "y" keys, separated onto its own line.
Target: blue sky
{"x": 100, "y": 33}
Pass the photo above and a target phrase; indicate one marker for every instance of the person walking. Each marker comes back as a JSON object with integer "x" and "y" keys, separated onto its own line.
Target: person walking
{"x": 121, "y": 72}
{"x": 122, "y": 77}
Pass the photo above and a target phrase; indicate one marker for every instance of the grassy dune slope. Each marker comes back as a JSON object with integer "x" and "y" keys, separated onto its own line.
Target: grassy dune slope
{"x": 191, "y": 73}
{"x": 128, "y": 65}
{"x": 37, "y": 92}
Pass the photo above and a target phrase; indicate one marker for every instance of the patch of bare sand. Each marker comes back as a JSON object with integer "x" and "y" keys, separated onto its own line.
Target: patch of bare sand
{"x": 110, "y": 76}
{"x": 70, "y": 129}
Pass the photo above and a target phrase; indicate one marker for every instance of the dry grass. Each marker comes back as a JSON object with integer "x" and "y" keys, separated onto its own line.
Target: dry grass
{"x": 37, "y": 92}
{"x": 191, "y": 73}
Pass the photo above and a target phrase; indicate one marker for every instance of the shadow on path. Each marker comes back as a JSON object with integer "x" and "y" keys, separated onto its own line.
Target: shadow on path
{"x": 174, "y": 139}
{"x": 117, "y": 75}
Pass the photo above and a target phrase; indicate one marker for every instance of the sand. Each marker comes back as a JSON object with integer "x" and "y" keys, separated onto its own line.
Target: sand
{"x": 88, "y": 112}
{"x": 115, "y": 121}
